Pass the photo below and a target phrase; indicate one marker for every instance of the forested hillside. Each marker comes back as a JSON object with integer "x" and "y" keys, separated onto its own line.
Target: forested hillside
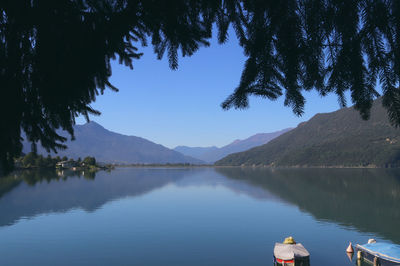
{"x": 337, "y": 139}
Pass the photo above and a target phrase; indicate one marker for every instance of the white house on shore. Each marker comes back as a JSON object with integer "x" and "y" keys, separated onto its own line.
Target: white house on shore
{"x": 65, "y": 164}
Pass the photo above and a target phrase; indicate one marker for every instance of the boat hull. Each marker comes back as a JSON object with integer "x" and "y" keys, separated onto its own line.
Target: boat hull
{"x": 296, "y": 262}
{"x": 368, "y": 256}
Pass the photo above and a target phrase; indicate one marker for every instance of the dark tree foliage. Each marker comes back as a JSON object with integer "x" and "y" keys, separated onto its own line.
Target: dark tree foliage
{"x": 331, "y": 46}
{"x": 55, "y": 55}
{"x": 89, "y": 161}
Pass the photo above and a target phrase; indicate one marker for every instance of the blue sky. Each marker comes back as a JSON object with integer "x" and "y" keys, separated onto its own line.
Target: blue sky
{"x": 182, "y": 107}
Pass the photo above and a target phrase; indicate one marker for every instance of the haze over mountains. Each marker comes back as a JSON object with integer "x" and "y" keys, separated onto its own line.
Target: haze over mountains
{"x": 337, "y": 139}
{"x": 92, "y": 139}
{"x": 212, "y": 154}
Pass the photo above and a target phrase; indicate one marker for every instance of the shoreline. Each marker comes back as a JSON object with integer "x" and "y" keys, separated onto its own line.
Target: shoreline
{"x": 202, "y": 166}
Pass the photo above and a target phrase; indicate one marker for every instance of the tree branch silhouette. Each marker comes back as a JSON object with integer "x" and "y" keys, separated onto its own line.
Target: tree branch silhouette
{"x": 55, "y": 55}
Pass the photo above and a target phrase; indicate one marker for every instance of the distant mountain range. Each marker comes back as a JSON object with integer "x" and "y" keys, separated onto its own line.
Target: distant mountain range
{"x": 92, "y": 139}
{"x": 337, "y": 139}
{"x": 212, "y": 154}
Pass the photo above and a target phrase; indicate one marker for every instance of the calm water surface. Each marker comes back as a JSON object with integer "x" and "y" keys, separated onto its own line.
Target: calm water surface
{"x": 205, "y": 216}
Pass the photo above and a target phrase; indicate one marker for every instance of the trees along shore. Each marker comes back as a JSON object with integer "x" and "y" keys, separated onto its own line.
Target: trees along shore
{"x": 35, "y": 161}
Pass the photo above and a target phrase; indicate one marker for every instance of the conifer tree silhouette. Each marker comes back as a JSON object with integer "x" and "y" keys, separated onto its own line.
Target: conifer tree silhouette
{"x": 55, "y": 55}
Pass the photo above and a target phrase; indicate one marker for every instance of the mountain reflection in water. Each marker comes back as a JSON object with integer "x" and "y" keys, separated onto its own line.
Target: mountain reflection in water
{"x": 30, "y": 193}
{"x": 365, "y": 199}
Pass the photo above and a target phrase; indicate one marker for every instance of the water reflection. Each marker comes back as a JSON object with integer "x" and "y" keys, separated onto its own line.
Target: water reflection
{"x": 30, "y": 193}
{"x": 367, "y": 199}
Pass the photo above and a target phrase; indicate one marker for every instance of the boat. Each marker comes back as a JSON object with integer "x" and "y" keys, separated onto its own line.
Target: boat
{"x": 290, "y": 253}
{"x": 382, "y": 254}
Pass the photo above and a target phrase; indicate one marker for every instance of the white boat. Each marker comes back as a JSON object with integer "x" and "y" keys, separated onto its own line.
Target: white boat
{"x": 290, "y": 253}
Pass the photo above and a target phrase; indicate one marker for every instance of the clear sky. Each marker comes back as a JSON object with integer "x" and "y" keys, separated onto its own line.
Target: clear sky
{"x": 182, "y": 107}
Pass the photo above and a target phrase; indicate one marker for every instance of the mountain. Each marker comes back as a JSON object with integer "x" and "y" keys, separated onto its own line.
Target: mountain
{"x": 212, "y": 154}
{"x": 92, "y": 139}
{"x": 196, "y": 152}
{"x": 337, "y": 139}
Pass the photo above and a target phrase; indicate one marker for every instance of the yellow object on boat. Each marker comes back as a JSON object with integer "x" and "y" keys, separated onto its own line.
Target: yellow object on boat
{"x": 289, "y": 240}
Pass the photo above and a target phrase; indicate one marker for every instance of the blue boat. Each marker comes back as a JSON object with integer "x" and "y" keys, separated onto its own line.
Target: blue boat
{"x": 382, "y": 254}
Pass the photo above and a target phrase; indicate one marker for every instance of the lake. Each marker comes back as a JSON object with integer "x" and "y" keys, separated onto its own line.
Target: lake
{"x": 193, "y": 216}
